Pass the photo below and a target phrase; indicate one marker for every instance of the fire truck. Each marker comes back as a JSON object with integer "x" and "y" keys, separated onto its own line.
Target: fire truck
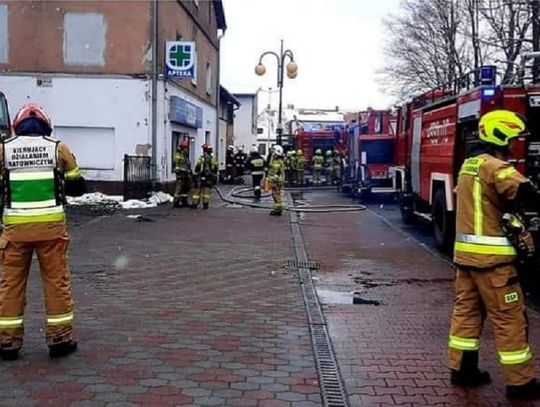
{"x": 371, "y": 153}
{"x": 329, "y": 137}
{"x": 5, "y": 126}
{"x": 436, "y": 131}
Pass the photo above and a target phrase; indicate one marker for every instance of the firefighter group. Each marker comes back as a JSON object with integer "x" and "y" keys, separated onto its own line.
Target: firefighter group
{"x": 38, "y": 171}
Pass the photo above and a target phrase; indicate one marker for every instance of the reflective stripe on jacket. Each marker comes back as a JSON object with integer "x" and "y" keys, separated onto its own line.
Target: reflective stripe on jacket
{"x": 486, "y": 185}
{"x": 32, "y": 184}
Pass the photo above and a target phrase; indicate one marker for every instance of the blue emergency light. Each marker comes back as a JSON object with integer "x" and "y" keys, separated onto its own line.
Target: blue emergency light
{"x": 487, "y": 75}
{"x": 489, "y": 92}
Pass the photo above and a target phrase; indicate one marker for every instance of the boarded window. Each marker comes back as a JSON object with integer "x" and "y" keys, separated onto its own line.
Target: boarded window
{"x": 4, "y": 40}
{"x": 84, "y": 39}
{"x": 93, "y": 146}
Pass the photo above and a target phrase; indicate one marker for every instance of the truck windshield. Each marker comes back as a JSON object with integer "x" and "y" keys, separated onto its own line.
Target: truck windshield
{"x": 378, "y": 151}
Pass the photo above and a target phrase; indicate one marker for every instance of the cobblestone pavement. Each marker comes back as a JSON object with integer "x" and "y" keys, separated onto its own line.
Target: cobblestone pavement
{"x": 394, "y": 353}
{"x": 192, "y": 308}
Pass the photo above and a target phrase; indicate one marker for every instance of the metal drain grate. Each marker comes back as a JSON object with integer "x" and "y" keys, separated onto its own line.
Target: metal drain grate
{"x": 313, "y": 265}
{"x": 311, "y": 301}
{"x": 332, "y": 389}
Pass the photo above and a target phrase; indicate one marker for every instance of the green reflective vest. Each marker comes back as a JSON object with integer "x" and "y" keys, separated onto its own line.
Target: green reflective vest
{"x": 31, "y": 184}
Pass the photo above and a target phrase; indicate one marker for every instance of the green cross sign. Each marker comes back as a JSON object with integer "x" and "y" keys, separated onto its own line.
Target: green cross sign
{"x": 179, "y": 57}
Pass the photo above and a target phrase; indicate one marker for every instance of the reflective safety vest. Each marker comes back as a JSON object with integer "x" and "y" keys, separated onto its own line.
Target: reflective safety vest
{"x": 480, "y": 240}
{"x": 32, "y": 186}
{"x": 257, "y": 166}
{"x": 318, "y": 161}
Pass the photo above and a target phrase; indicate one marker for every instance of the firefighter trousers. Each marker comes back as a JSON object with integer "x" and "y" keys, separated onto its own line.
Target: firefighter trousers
{"x": 317, "y": 176}
{"x": 183, "y": 186}
{"x": 495, "y": 293}
{"x": 300, "y": 175}
{"x": 203, "y": 192}
{"x": 276, "y": 196}
{"x": 53, "y": 262}
{"x": 257, "y": 179}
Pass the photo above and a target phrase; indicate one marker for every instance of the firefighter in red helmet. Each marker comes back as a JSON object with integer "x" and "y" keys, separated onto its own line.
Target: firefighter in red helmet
{"x": 182, "y": 168}
{"x": 205, "y": 175}
{"x": 37, "y": 170}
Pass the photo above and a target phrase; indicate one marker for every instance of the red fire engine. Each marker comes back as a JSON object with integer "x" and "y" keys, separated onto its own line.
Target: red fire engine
{"x": 332, "y": 137}
{"x": 371, "y": 153}
{"x": 438, "y": 129}
{"x": 5, "y": 128}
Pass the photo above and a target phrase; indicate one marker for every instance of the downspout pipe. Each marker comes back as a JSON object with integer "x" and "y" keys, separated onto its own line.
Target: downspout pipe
{"x": 218, "y": 98}
{"x": 154, "y": 121}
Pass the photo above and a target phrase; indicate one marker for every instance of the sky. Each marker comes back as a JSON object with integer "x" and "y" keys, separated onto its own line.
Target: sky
{"x": 337, "y": 45}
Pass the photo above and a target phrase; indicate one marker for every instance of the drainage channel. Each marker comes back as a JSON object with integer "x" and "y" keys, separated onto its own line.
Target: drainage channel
{"x": 332, "y": 389}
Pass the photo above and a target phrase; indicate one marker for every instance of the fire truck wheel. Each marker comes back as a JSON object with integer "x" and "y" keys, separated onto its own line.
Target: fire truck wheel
{"x": 443, "y": 226}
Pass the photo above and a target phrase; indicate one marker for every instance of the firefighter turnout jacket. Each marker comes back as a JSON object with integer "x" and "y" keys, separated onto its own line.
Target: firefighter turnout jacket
{"x": 34, "y": 171}
{"x": 486, "y": 185}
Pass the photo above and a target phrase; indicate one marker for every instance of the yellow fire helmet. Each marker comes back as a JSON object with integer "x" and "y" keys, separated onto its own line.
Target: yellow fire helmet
{"x": 500, "y": 126}
{"x": 299, "y": 152}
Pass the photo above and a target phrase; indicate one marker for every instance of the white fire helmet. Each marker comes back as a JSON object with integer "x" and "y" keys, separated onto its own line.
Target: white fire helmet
{"x": 278, "y": 150}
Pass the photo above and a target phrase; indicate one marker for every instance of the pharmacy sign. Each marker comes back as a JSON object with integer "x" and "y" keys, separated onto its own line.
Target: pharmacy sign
{"x": 180, "y": 59}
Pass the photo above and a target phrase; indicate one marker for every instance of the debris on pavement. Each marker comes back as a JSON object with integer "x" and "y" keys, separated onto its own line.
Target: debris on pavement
{"x": 99, "y": 199}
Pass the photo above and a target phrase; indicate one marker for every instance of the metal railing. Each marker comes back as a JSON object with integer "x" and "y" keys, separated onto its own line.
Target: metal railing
{"x": 137, "y": 176}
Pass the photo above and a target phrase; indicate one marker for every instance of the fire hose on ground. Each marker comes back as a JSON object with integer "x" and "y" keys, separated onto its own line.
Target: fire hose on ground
{"x": 236, "y": 196}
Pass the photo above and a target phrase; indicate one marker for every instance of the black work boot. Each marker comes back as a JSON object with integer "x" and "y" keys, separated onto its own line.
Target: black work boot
{"x": 530, "y": 390}
{"x": 275, "y": 213}
{"x": 8, "y": 352}
{"x": 184, "y": 203}
{"x": 193, "y": 206}
{"x": 176, "y": 203}
{"x": 63, "y": 348}
{"x": 469, "y": 375}
{"x": 205, "y": 205}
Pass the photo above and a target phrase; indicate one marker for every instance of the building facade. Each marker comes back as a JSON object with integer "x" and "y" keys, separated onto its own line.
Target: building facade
{"x": 228, "y": 104}
{"x": 245, "y": 124}
{"x": 98, "y": 69}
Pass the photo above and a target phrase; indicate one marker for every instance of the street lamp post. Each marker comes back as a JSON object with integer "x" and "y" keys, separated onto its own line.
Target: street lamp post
{"x": 292, "y": 72}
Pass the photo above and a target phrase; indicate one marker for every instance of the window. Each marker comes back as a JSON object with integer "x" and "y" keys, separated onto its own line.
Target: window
{"x": 378, "y": 151}
{"x": 178, "y": 36}
{"x": 4, "y": 40}
{"x": 4, "y": 119}
{"x": 207, "y": 136}
{"x": 85, "y": 141}
{"x": 177, "y": 138}
{"x": 208, "y": 79}
{"x": 84, "y": 39}
{"x": 262, "y": 149}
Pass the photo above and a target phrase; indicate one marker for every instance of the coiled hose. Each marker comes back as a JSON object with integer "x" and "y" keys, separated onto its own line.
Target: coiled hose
{"x": 236, "y": 196}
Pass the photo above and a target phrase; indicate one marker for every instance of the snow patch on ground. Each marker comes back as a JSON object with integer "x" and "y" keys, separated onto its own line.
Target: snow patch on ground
{"x": 97, "y": 198}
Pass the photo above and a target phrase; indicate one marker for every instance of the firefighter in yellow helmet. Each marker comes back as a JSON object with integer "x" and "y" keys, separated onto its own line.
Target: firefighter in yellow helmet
{"x": 205, "y": 175}
{"x": 486, "y": 280}
{"x": 276, "y": 175}
{"x": 37, "y": 171}
{"x": 300, "y": 167}
{"x": 317, "y": 165}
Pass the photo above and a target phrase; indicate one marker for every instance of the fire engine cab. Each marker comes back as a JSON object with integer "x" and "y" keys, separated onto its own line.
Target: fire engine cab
{"x": 371, "y": 153}
{"x": 5, "y": 127}
{"x": 436, "y": 131}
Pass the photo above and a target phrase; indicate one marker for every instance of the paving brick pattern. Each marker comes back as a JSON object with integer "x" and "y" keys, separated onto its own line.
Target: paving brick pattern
{"x": 196, "y": 308}
{"x": 394, "y": 353}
